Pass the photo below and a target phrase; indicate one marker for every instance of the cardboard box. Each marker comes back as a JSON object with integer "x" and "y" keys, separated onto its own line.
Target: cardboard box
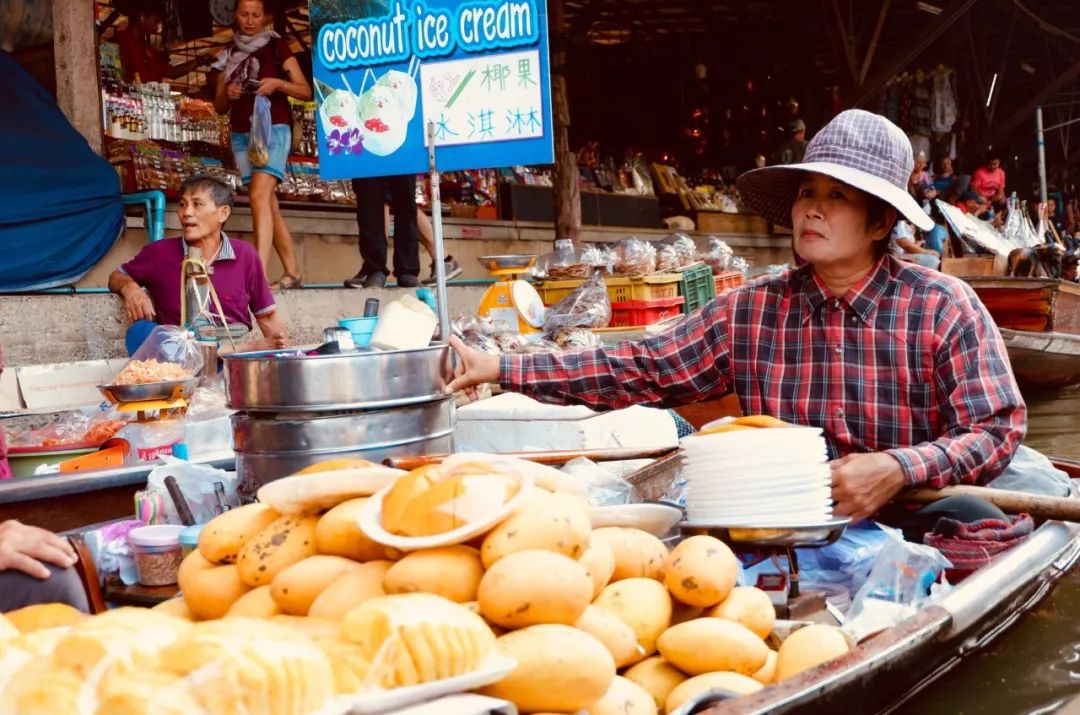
{"x": 41, "y": 389}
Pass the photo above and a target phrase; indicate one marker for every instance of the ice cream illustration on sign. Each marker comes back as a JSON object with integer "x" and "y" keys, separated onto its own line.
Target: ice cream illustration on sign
{"x": 378, "y": 119}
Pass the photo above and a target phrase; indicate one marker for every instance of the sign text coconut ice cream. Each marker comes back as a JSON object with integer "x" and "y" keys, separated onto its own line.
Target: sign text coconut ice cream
{"x": 478, "y": 71}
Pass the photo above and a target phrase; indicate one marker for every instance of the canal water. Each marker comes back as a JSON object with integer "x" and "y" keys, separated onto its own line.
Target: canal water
{"x": 1035, "y": 666}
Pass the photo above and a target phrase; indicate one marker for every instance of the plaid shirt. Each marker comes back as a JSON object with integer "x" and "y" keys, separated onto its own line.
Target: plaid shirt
{"x": 908, "y": 362}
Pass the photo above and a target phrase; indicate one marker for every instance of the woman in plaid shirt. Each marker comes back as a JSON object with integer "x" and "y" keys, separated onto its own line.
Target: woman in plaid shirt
{"x": 901, "y": 366}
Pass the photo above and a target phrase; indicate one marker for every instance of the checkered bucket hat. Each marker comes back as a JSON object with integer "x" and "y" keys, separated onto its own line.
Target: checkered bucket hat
{"x": 861, "y": 149}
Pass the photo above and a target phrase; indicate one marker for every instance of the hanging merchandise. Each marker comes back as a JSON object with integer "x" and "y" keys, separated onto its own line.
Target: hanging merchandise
{"x": 944, "y": 101}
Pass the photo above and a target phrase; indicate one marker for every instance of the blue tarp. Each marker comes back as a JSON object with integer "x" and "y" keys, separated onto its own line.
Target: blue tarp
{"x": 60, "y": 204}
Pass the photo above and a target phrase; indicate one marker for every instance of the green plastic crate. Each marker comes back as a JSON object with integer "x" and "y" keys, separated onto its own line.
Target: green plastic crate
{"x": 697, "y": 286}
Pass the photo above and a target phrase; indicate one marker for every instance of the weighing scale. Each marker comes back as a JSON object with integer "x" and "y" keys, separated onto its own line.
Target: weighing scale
{"x": 780, "y": 541}
{"x": 511, "y": 299}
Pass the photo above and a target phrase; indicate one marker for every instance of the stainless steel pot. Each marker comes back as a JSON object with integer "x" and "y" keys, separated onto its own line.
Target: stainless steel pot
{"x": 269, "y": 447}
{"x": 290, "y": 381}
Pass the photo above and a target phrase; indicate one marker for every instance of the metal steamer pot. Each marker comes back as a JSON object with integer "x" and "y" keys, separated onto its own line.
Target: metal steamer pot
{"x": 270, "y": 446}
{"x": 296, "y": 410}
{"x": 290, "y": 381}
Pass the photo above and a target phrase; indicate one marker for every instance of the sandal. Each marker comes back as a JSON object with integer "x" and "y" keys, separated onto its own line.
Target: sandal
{"x": 288, "y": 282}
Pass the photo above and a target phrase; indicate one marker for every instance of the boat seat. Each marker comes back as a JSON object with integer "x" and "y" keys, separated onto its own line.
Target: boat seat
{"x": 88, "y": 574}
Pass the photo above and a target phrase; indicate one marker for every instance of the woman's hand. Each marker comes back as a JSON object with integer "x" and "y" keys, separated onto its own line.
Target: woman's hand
{"x": 863, "y": 483}
{"x": 233, "y": 91}
{"x": 137, "y": 303}
{"x": 473, "y": 368}
{"x": 24, "y": 548}
{"x": 270, "y": 85}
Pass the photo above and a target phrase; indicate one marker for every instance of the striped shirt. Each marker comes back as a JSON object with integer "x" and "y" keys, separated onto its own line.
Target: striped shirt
{"x": 908, "y": 362}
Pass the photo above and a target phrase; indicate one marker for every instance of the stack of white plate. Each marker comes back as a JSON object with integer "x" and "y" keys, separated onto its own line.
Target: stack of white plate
{"x": 758, "y": 477}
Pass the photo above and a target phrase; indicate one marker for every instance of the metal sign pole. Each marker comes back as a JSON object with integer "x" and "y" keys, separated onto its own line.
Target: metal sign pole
{"x": 437, "y": 227}
{"x": 1042, "y": 153}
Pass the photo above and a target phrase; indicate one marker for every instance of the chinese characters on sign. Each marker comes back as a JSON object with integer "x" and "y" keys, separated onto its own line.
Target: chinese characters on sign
{"x": 483, "y": 99}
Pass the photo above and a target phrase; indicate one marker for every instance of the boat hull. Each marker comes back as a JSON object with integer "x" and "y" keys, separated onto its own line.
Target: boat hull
{"x": 1043, "y": 360}
{"x": 1034, "y": 305}
{"x": 885, "y": 671}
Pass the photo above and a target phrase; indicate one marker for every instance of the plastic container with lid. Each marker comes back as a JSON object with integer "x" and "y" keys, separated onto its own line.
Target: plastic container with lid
{"x": 157, "y": 553}
{"x": 189, "y": 538}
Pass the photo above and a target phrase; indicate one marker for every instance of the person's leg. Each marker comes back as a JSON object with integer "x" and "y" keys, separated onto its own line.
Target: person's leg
{"x": 406, "y": 240}
{"x": 283, "y": 241}
{"x": 425, "y": 233}
{"x": 371, "y": 224}
{"x": 18, "y": 589}
{"x": 936, "y": 237}
{"x": 262, "y": 213}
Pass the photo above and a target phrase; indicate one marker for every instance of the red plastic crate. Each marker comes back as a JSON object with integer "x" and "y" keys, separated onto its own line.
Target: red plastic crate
{"x": 633, "y": 313}
{"x": 728, "y": 280}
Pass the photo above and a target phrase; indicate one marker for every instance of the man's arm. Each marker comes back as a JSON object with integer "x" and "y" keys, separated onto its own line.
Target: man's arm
{"x": 137, "y": 303}
{"x": 982, "y": 415}
{"x": 275, "y": 334}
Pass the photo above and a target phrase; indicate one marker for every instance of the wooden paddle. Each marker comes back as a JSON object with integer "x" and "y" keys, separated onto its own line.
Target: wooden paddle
{"x": 1010, "y": 502}
{"x": 596, "y": 455}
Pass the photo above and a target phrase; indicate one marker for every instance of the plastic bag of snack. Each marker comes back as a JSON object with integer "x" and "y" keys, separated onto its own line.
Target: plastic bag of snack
{"x": 259, "y": 139}
{"x": 168, "y": 353}
{"x": 563, "y": 263}
{"x": 684, "y": 246}
{"x": 587, "y": 306}
{"x": 481, "y": 341}
{"x": 572, "y": 339}
{"x": 537, "y": 347}
{"x": 718, "y": 255}
{"x": 667, "y": 258}
{"x": 597, "y": 256}
{"x": 632, "y": 256}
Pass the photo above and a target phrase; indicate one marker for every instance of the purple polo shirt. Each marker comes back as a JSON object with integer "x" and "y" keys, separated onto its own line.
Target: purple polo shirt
{"x": 237, "y": 276}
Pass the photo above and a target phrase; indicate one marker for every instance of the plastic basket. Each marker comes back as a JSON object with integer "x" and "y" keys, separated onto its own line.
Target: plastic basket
{"x": 728, "y": 280}
{"x": 644, "y": 312}
{"x": 620, "y": 289}
{"x": 697, "y": 287}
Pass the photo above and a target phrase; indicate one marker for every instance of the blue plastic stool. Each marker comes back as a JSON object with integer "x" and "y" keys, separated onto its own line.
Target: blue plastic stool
{"x": 153, "y": 203}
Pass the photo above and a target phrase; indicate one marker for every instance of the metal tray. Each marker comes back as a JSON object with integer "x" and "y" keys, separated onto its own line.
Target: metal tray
{"x": 501, "y": 263}
{"x": 819, "y": 534}
{"x": 168, "y": 390}
{"x": 290, "y": 381}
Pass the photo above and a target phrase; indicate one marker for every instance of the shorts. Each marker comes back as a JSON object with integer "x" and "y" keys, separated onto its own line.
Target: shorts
{"x": 280, "y": 146}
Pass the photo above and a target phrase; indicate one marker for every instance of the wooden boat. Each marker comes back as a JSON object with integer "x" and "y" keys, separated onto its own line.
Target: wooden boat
{"x": 1040, "y": 321}
{"x": 882, "y": 673}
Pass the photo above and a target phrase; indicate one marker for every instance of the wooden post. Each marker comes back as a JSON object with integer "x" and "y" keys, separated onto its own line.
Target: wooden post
{"x": 566, "y": 190}
{"x": 77, "y": 90}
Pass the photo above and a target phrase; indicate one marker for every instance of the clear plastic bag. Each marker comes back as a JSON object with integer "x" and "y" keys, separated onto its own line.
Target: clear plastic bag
{"x": 605, "y": 488}
{"x": 196, "y": 483}
{"x": 632, "y": 256}
{"x": 587, "y": 306}
{"x": 667, "y": 259}
{"x": 846, "y": 562}
{"x": 259, "y": 139}
{"x": 168, "y": 353}
{"x": 718, "y": 255}
{"x": 564, "y": 262}
{"x": 900, "y": 579}
{"x": 572, "y": 339}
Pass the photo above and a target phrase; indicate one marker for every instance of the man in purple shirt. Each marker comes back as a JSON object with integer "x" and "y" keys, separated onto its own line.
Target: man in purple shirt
{"x": 150, "y": 283}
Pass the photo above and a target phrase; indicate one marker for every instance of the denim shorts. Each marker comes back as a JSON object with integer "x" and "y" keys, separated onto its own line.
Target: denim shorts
{"x": 280, "y": 146}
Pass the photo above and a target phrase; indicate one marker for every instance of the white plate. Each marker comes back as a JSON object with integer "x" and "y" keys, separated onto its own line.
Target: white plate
{"x": 371, "y": 523}
{"x": 698, "y": 490}
{"x": 380, "y": 701}
{"x": 808, "y": 500}
{"x": 657, "y": 519}
{"x": 762, "y": 481}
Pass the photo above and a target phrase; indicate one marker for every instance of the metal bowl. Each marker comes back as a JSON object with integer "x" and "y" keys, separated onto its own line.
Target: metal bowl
{"x": 819, "y": 534}
{"x": 151, "y": 391}
{"x": 509, "y": 262}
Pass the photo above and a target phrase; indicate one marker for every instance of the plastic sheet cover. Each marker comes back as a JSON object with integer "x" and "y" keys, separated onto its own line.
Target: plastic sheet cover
{"x": 60, "y": 210}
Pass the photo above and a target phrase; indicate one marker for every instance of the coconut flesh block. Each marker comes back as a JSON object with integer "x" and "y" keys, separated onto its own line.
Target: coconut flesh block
{"x": 404, "y": 91}
{"x": 384, "y": 125}
{"x": 340, "y": 111}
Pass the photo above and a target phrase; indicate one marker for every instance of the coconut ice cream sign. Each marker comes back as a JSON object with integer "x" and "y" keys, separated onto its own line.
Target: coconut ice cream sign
{"x": 385, "y": 69}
